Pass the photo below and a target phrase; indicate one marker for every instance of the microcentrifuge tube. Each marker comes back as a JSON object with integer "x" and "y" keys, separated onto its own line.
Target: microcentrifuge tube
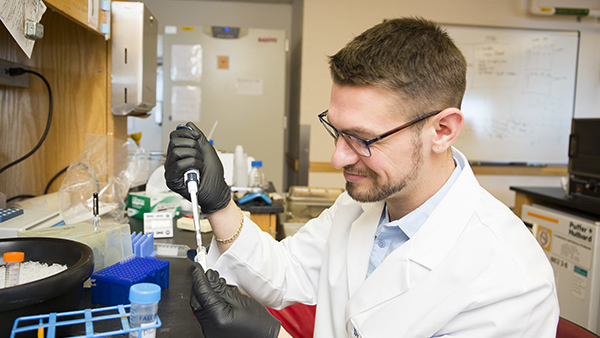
{"x": 13, "y": 267}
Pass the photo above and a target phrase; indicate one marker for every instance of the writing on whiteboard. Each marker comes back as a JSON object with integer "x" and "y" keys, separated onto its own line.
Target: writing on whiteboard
{"x": 520, "y": 93}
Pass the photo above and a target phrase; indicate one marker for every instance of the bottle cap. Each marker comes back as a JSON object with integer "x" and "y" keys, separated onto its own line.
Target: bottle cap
{"x": 144, "y": 293}
{"x": 13, "y": 257}
{"x": 257, "y": 163}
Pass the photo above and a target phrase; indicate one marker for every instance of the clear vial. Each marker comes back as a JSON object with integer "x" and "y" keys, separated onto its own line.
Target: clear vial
{"x": 256, "y": 179}
{"x": 13, "y": 262}
{"x": 144, "y": 299}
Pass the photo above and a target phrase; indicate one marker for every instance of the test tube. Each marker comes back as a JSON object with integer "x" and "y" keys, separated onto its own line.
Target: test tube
{"x": 144, "y": 298}
{"x": 13, "y": 267}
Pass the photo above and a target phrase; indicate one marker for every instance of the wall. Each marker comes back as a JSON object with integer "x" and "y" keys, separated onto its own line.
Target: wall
{"x": 330, "y": 24}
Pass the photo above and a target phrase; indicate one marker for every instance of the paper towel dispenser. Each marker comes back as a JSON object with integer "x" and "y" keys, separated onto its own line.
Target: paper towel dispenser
{"x": 134, "y": 33}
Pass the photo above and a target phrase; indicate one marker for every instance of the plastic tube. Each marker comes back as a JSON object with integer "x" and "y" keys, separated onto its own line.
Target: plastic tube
{"x": 144, "y": 298}
{"x": 13, "y": 267}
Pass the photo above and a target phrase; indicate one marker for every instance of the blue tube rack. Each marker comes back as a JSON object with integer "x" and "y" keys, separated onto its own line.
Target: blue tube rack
{"x": 110, "y": 286}
{"x": 49, "y": 322}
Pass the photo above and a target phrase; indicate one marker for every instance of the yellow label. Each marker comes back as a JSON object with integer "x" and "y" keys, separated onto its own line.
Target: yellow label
{"x": 187, "y": 28}
{"x": 223, "y": 62}
{"x": 544, "y": 237}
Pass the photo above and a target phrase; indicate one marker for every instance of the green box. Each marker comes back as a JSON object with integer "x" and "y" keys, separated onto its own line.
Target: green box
{"x": 139, "y": 203}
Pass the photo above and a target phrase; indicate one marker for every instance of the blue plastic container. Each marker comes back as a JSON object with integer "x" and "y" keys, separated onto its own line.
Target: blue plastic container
{"x": 110, "y": 286}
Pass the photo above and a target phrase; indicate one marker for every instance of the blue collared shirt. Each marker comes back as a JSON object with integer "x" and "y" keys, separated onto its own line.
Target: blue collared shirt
{"x": 391, "y": 235}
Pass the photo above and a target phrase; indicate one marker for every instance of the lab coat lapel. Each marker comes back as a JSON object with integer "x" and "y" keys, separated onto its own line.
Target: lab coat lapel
{"x": 360, "y": 244}
{"x": 390, "y": 279}
{"x": 441, "y": 230}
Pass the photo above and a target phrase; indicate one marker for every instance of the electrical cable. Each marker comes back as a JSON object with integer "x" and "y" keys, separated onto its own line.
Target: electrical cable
{"x": 54, "y": 178}
{"x": 19, "y": 197}
{"x": 21, "y": 71}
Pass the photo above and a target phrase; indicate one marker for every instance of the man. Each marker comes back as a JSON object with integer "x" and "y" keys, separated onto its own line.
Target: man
{"x": 414, "y": 247}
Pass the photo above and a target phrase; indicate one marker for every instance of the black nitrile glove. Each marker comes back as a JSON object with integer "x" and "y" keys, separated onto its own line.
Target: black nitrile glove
{"x": 223, "y": 312}
{"x": 189, "y": 149}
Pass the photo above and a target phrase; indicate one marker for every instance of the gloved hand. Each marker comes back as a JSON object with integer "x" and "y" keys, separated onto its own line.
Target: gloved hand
{"x": 189, "y": 149}
{"x": 224, "y": 312}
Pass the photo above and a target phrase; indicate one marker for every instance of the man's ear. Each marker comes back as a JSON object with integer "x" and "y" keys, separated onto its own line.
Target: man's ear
{"x": 447, "y": 126}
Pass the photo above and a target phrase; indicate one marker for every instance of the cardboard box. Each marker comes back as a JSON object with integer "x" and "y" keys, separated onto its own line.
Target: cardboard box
{"x": 139, "y": 203}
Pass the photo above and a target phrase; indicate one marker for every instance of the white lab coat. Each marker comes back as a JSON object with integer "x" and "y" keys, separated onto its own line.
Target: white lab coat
{"x": 472, "y": 270}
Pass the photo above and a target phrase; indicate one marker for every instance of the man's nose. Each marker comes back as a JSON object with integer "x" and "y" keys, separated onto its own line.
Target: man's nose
{"x": 343, "y": 155}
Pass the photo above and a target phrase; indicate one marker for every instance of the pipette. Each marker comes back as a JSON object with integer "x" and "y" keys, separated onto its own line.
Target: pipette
{"x": 192, "y": 179}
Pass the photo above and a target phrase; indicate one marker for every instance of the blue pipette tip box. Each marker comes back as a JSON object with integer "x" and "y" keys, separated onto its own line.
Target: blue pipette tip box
{"x": 110, "y": 286}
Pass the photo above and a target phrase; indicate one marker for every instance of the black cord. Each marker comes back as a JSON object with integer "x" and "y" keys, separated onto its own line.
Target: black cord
{"x": 20, "y": 71}
{"x": 54, "y": 178}
{"x": 19, "y": 197}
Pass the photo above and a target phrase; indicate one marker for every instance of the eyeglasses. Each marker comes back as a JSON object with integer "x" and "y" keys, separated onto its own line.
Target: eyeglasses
{"x": 359, "y": 144}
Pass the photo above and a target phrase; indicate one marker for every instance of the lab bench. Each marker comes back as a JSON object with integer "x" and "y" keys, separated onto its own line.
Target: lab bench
{"x": 265, "y": 216}
{"x": 554, "y": 196}
{"x": 174, "y": 310}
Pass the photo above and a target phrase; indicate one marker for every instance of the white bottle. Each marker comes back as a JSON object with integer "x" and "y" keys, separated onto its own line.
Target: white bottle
{"x": 256, "y": 179}
{"x": 241, "y": 168}
{"x": 144, "y": 299}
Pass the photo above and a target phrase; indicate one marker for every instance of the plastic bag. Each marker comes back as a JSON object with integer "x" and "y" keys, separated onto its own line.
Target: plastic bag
{"x": 103, "y": 166}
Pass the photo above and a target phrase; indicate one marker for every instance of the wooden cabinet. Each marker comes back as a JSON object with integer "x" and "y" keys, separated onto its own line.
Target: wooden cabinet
{"x": 75, "y": 59}
{"x": 265, "y": 216}
{"x": 267, "y": 222}
{"x": 77, "y": 11}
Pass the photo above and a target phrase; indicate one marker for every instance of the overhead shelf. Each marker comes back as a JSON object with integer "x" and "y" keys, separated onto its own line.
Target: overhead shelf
{"x": 77, "y": 10}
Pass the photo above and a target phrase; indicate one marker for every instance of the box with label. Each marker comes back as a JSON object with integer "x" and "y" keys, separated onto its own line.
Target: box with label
{"x": 139, "y": 203}
{"x": 571, "y": 244}
{"x": 159, "y": 223}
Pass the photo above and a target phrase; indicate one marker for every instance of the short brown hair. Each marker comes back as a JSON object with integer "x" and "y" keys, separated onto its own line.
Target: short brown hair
{"x": 411, "y": 57}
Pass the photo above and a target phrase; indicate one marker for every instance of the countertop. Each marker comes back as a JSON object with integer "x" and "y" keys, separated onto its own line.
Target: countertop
{"x": 557, "y": 196}
{"x": 174, "y": 310}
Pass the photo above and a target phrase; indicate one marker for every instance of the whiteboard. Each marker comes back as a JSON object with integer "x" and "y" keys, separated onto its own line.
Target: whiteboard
{"x": 520, "y": 94}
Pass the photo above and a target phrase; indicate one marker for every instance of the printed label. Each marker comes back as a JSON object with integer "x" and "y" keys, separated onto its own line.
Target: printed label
{"x": 544, "y": 237}
{"x": 576, "y": 251}
{"x": 581, "y": 232}
{"x": 137, "y": 202}
{"x": 579, "y": 286}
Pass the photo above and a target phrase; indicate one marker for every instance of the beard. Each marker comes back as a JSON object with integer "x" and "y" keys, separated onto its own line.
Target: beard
{"x": 379, "y": 190}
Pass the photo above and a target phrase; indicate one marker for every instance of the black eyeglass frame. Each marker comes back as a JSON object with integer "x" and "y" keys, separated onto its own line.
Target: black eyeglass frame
{"x": 367, "y": 143}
